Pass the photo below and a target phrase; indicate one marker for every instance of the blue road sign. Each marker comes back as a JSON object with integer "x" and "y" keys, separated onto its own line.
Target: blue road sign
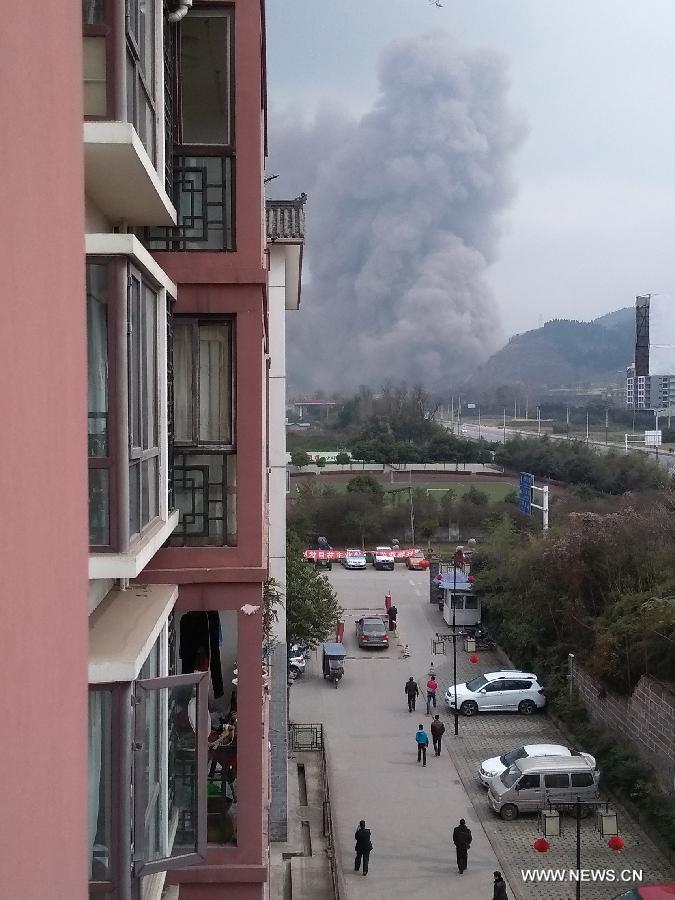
{"x": 525, "y": 497}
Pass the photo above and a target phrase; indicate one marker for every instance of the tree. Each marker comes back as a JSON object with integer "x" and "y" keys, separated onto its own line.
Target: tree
{"x": 366, "y": 484}
{"x": 342, "y": 458}
{"x": 312, "y": 609}
{"x": 300, "y": 458}
{"x": 321, "y": 462}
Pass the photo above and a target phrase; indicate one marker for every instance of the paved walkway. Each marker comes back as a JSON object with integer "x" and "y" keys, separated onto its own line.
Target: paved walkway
{"x": 372, "y": 758}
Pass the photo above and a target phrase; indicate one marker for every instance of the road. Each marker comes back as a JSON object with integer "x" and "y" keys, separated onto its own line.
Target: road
{"x": 496, "y": 435}
{"x": 374, "y": 772}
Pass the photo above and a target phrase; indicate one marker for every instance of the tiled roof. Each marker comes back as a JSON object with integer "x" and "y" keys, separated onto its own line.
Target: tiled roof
{"x": 286, "y": 219}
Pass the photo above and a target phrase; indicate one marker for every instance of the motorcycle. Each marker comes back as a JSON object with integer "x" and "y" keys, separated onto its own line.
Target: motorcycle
{"x": 483, "y": 639}
{"x": 296, "y": 660}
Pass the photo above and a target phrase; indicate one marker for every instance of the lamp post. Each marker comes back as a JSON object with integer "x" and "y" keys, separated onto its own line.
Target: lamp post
{"x": 504, "y": 425}
{"x": 538, "y": 420}
{"x": 457, "y": 560}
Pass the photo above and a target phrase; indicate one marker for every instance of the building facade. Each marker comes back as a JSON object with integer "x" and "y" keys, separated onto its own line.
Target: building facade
{"x": 178, "y": 345}
{"x": 650, "y": 379}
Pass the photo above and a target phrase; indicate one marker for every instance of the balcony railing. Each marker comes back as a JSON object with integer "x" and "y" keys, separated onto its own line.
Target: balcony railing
{"x": 205, "y": 493}
{"x": 202, "y": 195}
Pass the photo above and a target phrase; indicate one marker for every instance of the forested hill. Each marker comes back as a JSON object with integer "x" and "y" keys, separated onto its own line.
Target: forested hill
{"x": 563, "y": 353}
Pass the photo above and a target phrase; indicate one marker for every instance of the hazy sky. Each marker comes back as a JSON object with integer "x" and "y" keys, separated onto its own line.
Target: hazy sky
{"x": 593, "y": 220}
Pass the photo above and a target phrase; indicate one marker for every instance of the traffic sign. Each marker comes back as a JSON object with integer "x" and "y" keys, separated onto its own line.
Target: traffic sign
{"x": 653, "y": 438}
{"x": 525, "y": 496}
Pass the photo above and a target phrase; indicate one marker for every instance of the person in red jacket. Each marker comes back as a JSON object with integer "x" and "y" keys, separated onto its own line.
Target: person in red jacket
{"x": 432, "y": 687}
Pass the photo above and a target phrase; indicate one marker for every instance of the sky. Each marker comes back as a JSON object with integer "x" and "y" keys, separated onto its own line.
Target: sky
{"x": 591, "y": 221}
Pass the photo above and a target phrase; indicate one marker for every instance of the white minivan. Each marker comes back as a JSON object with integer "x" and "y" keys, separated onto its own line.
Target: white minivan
{"x": 532, "y": 783}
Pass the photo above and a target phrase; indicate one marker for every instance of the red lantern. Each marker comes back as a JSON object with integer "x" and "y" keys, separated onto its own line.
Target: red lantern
{"x": 616, "y": 843}
{"x": 541, "y": 845}
{"x": 470, "y": 579}
{"x": 474, "y": 658}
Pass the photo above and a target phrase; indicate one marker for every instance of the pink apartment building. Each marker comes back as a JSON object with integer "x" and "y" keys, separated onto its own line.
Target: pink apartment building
{"x": 155, "y": 783}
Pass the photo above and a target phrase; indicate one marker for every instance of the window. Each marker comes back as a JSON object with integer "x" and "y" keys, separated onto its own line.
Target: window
{"x": 556, "y": 781}
{"x": 206, "y": 83}
{"x": 528, "y": 782}
{"x": 143, "y": 403}
{"x": 204, "y": 471}
{"x": 514, "y": 685}
{"x": 95, "y": 61}
{"x": 494, "y": 686}
{"x": 582, "y": 779}
{"x": 471, "y": 603}
{"x": 143, "y": 768}
{"x": 140, "y": 79}
{"x": 98, "y": 403}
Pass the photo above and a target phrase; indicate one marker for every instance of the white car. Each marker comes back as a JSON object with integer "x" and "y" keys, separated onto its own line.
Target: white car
{"x": 489, "y": 768}
{"x": 495, "y": 691}
{"x": 354, "y": 559}
{"x": 383, "y": 558}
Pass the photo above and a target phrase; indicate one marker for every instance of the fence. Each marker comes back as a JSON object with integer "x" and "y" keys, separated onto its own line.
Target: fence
{"x": 312, "y": 737}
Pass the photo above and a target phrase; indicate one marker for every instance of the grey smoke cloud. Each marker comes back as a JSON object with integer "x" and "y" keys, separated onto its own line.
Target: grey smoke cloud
{"x": 402, "y": 219}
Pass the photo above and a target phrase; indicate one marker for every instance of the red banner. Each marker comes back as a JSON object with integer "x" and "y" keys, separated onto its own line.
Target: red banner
{"x": 341, "y": 554}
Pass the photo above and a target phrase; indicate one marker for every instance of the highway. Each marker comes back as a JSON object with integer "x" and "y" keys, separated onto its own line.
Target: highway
{"x": 496, "y": 434}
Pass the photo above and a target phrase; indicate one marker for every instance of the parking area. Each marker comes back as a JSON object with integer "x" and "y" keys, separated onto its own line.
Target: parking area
{"x": 488, "y": 735}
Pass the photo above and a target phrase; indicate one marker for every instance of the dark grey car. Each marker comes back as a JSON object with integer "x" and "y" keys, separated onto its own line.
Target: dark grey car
{"x": 371, "y": 632}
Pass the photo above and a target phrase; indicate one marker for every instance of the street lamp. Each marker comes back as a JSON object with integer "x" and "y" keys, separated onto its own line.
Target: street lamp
{"x": 457, "y": 560}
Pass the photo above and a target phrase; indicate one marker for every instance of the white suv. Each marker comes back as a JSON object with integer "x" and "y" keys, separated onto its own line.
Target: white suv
{"x": 383, "y": 558}
{"x": 496, "y": 691}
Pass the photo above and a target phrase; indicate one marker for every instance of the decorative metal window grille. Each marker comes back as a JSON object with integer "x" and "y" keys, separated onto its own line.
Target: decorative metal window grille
{"x": 202, "y": 195}
{"x": 205, "y": 494}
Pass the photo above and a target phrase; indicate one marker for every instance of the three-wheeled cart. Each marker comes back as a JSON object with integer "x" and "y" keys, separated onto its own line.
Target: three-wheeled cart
{"x": 333, "y": 661}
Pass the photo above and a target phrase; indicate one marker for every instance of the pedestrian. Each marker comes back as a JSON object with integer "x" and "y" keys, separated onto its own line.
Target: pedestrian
{"x": 437, "y": 732}
{"x": 392, "y": 612}
{"x": 499, "y": 888}
{"x": 461, "y": 838}
{"x": 422, "y": 739}
{"x": 412, "y": 691}
{"x": 362, "y": 847}
{"x": 432, "y": 687}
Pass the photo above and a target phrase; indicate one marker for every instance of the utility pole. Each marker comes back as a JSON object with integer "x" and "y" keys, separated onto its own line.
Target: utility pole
{"x": 504, "y": 424}
{"x": 587, "y": 426}
{"x": 452, "y": 415}
{"x": 479, "y": 422}
{"x": 527, "y": 407}
{"x": 538, "y": 420}
{"x": 606, "y": 426}
{"x": 568, "y": 423}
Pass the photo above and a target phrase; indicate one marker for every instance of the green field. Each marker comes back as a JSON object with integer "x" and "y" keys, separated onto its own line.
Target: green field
{"x": 496, "y": 490}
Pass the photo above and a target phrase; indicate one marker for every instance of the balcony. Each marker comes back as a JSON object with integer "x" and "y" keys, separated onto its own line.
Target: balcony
{"x": 202, "y": 195}
{"x": 120, "y": 177}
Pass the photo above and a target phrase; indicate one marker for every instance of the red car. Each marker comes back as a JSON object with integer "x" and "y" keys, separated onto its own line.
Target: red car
{"x": 417, "y": 561}
{"x": 649, "y": 892}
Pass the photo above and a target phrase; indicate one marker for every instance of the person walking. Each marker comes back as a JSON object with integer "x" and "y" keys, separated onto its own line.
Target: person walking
{"x": 437, "y": 732}
{"x": 412, "y": 691}
{"x": 461, "y": 838}
{"x": 499, "y": 888}
{"x": 422, "y": 739}
{"x": 432, "y": 687}
{"x": 362, "y": 847}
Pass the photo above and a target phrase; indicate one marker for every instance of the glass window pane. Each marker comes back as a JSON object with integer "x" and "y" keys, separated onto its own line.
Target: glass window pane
{"x": 134, "y": 361}
{"x": 205, "y": 69}
{"x": 215, "y": 396}
{"x": 149, "y": 367}
{"x": 149, "y": 491}
{"x": 146, "y": 40}
{"x": 93, "y": 12}
{"x": 97, "y": 359}
{"x": 182, "y": 381}
{"x": 134, "y": 499}
{"x": 99, "y": 801}
{"x": 94, "y": 68}
{"x": 99, "y": 508}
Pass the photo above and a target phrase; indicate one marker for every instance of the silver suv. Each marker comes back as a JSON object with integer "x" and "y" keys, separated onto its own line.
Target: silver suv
{"x": 495, "y": 691}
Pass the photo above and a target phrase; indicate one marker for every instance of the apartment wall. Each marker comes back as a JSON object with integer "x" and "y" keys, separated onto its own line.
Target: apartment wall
{"x": 43, "y": 535}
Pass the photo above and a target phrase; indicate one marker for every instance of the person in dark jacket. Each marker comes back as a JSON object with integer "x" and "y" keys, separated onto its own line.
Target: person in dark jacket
{"x": 461, "y": 838}
{"x": 500, "y": 888}
{"x": 412, "y": 691}
{"x": 437, "y": 732}
{"x": 363, "y": 847}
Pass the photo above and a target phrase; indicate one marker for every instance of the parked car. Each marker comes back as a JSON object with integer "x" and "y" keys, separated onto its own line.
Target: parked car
{"x": 383, "y": 558}
{"x": 354, "y": 559}
{"x": 495, "y": 691}
{"x": 371, "y": 632}
{"x": 529, "y": 784}
{"x": 649, "y": 892}
{"x": 498, "y": 764}
{"x": 417, "y": 561}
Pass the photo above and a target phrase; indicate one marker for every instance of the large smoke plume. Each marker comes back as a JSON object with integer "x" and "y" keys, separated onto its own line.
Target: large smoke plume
{"x": 402, "y": 220}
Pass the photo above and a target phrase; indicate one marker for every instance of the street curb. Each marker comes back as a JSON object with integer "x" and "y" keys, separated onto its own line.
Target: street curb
{"x": 342, "y": 887}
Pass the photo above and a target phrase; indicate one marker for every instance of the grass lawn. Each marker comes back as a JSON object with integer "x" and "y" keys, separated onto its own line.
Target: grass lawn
{"x": 495, "y": 490}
